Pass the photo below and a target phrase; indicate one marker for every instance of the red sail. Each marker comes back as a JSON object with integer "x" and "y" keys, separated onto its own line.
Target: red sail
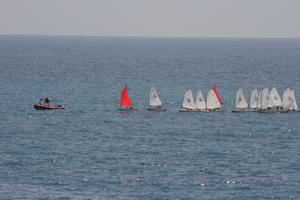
{"x": 215, "y": 90}
{"x": 125, "y": 101}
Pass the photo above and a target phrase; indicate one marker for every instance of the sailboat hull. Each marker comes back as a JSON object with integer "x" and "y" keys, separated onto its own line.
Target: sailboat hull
{"x": 240, "y": 110}
{"x": 157, "y": 109}
{"x": 201, "y": 110}
{"x": 272, "y": 111}
{"x": 294, "y": 111}
{"x": 187, "y": 110}
{"x": 127, "y": 109}
{"x": 214, "y": 110}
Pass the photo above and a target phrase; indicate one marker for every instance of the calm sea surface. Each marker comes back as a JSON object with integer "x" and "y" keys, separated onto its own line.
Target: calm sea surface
{"x": 91, "y": 151}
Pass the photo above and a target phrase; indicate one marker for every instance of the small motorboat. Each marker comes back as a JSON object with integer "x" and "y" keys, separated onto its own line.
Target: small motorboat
{"x": 47, "y": 107}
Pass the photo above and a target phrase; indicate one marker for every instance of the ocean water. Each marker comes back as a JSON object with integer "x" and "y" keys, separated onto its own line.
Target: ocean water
{"x": 92, "y": 151}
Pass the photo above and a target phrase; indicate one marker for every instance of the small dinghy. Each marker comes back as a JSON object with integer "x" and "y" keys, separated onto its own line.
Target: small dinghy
{"x": 241, "y": 104}
{"x": 200, "y": 103}
{"x": 155, "y": 101}
{"x": 276, "y": 100}
{"x": 47, "y": 107}
{"x": 213, "y": 102}
{"x": 125, "y": 103}
{"x": 188, "y": 104}
{"x": 289, "y": 101}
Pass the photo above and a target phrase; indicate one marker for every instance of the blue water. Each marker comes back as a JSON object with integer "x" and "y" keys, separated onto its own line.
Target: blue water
{"x": 91, "y": 151}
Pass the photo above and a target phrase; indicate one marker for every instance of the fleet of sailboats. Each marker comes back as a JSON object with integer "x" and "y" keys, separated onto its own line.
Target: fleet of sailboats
{"x": 213, "y": 102}
{"x": 263, "y": 101}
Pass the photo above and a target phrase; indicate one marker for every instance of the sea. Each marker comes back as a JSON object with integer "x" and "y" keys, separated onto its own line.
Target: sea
{"x": 90, "y": 150}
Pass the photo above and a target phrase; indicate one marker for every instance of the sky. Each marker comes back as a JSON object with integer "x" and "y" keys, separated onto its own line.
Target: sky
{"x": 152, "y": 18}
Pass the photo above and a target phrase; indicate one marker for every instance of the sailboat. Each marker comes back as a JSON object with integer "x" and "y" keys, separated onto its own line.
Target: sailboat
{"x": 254, "y": 100}
{"x": 266, "y": 102}
{"x": 125, "y": 103}
{"x": 241, "y": 104}
{"x": 154, "y": 101}
{"x": 200, "y": 103}
{"x": 289, "y": 100}
{"x": 213, "y": 102}
{"x": 188, "y": 104}
{"x": 275, "y": 98}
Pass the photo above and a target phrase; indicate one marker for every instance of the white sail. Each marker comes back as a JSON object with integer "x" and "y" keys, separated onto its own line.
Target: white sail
{"x": 254, "y": 99}
{"x": 287, "y": 100}
{"x": 212, "y": 100}
{"x": 188, "y": 100}
{"x": 295, "y": 106}
{"x": 275, "y": 98}
{"x": 153, "y": 98}
{"x": 240, "y": 101}
{"x": 259, "y": 99}
{"x": 200, "y": 101}
{"x": 265, "y": 99}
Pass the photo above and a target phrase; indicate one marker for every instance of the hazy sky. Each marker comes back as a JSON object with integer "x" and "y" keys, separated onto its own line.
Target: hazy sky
{"x": 177, "y": 18}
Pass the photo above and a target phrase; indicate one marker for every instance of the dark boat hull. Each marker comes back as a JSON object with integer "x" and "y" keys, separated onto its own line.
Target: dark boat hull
{"x": 214, "y": 110}
{"x": 186, "y": 110}
{"x": 270, "y": 111}
{"x": 46, "y": 107}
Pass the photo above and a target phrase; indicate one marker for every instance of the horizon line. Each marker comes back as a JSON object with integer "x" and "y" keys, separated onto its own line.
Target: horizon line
{"x": 145, "y": 36}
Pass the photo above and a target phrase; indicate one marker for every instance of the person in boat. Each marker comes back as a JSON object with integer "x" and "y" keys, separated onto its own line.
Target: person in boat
{"x": 41, "y": 101}
{"x": 47, "y": 101}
